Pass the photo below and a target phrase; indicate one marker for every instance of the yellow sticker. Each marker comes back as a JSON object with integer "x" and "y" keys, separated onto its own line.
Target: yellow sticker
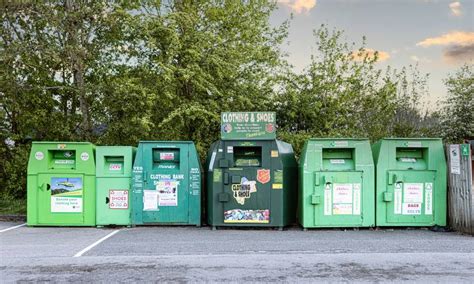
{"x": 274, "y": 154}
{"x": 277, "y": 186}
{"x": 61, "y": 146}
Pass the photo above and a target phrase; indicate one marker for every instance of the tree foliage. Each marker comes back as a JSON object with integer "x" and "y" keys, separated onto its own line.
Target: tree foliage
{"x": 457, "y": 114}
{"x": 116, "y": 72}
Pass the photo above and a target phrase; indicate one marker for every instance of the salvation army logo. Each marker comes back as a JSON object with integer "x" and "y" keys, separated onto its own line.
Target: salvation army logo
{"x": 270, "y": 128}
{"x": 226, "y": 128}
{"x": 263, "y": 176}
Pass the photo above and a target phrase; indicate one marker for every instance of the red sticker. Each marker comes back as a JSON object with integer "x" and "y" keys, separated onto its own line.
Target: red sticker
{"x": 263, "y": 176}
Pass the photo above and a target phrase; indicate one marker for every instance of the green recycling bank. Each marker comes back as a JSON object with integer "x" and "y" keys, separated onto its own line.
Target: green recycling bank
{"x": 61, "y": 184}
{"x": 251, "y": 176}
{"x": 410, "y": 181}
{"x": 114, "y": 173}
{"x": 166, "y": 184}
{"x": 337, "y": 184}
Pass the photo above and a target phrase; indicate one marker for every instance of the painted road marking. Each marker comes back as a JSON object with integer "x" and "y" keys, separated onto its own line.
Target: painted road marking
{"x": 12, "y": 228}
{"x": 96, "y": 243}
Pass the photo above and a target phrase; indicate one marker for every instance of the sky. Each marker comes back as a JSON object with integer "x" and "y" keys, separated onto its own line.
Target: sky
{"x": 438, "y": 35}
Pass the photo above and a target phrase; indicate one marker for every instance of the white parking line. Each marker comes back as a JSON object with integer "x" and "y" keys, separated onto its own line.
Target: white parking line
{"x": 96, "y": 243}
{"x": 12, "y": 228}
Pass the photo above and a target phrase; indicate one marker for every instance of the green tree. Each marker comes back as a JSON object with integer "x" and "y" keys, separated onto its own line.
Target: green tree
{"x": 52, "y": 55}
{"x": 457, "y": 114}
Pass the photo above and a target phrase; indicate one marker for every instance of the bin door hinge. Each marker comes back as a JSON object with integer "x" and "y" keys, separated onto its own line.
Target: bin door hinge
{"x": 387, "y": 196}
{"x": 317, "y": 178}
{"x": 226, "y": 178}
{"x": 315, "y": 199}
{"x": 235, "y": 179}
{"x": 223, "y": 197}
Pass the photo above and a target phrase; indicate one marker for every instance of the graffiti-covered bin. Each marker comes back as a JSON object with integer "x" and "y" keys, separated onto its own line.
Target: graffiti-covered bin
{"x": 251, "y": 176}
{"x": 166, "y": 184}
{"x": 113, "y": 173}
{"x": 411, "y": 187}
{"x": 61, "y": 184}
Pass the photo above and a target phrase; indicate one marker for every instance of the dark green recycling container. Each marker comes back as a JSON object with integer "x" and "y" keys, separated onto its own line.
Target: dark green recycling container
{"x": 113, "y": 183}
{"x": 166, "y": 184}
{"x": 411, "y": 187}
{"x": 251, "y": 176}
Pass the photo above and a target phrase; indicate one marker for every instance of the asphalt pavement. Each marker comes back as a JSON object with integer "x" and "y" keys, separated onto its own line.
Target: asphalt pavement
{"x": 190, "y": 254}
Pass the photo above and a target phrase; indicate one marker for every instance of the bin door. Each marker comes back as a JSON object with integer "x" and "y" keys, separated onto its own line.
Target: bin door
{"x": 337, "y": 198}
{"x": 247, "y": 184}
{"x": 61, "y": 199}
{"x": 410, "y": 196}
{"x": 167, "y": 176}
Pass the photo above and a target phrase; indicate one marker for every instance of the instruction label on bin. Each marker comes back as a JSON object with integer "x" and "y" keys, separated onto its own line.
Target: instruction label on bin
{"x": 342, "y": 199}
{"x": 150, "y": 200}
{"x": 413, "y": 193}
{"x": 167, "y": 192}
{"x": 411, "y": 209}
{"x": 118, "y": 199}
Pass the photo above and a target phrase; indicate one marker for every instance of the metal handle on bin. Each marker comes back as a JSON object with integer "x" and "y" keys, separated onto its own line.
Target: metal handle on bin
{"x": 226, "y": 178}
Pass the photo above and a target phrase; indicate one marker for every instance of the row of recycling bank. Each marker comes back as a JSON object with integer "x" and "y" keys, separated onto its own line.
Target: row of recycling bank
{"x": 250, "y": 177}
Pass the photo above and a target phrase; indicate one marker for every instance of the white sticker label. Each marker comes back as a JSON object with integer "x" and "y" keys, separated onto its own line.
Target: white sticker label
{"x": 64, "y": 162}
{"x": 342, "y": 209}
{"x": 327, "y": 200}
{"x": 356, "y": 199}
{"x": 411, "y": 209}
{"x": 220, "y": 150}
{"x": 342, "y": 193}
{"x": 84, "y": 156}
{"x": 118, "y": 199}
{"x": 230, "y": 149}
{"x": 39, "y": 156}
{"x": 414, "y": 144}
{"x": 413, "y": 193}
{"x": 167, "y": 156}
{"x": 455, "y": 159}
{"x": 408, "y": 160}
{"x": 167, "y": 193}
{"x": 341, "y": 143}
{"x": 115, "y": 167}
{"x": 211, "y": 163}
{"x": 150, "y": 200}
{"x": 66, "y": 204}
{"x": 337, "y": 161}
{"x": 428, "y": 199}
{"x": 398, "y": 199}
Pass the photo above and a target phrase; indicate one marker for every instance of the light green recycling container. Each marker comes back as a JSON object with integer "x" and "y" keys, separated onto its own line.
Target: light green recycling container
{"x": 61, "y": 184}
{"x": 410, "y": 182}
{"x": 337, "y": 184}
{"x": 166, "y": 184}
{"x": 113, "y": 183}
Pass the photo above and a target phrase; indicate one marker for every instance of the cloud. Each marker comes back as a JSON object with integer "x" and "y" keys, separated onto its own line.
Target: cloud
{"x": 299, "y": 6}
{"x": 459, "y": 45}
{"x": 455, "y": 8}
{"x": 421, "y": 60}
{"x": 451, "y": 38}
{"x": 359, "y": 55}
{"x": 459, "y": 53}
